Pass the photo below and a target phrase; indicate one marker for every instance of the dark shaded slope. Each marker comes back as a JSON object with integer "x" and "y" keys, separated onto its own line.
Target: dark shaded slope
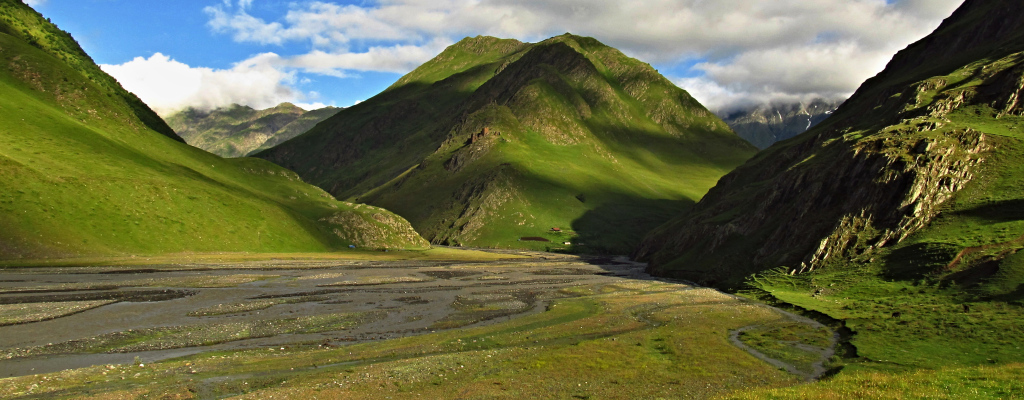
{"x": 519, "y": 139}
{"x": 870, "y": 176}
{"x": 372, "y": 142}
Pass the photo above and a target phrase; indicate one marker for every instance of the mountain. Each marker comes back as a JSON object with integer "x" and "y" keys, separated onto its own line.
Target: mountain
{"x": 900, "y": 217}
{"x": 497, "y": 142}
{"x": 764, "y": 124}
{"x": 88, "y": 169}
{"x": 236, "y": 131}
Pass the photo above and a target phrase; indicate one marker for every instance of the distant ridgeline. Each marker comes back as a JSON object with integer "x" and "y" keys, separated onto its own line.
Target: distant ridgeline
{"x": 925, "y": 155}
{"x": 497, "y": 140}
{"x": 900, "y": 218}
{"x": 763, "y": 125}
{"x": 237, "y": 131}
{"x": 88, "y": 169}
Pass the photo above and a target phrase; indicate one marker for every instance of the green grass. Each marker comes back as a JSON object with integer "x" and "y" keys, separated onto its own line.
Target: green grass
{"x": 185, "y": 260}
{"x": 635, "y": 340}
{"x": 920, "y": 328}
{"x": 935, "y": 313}
{"x": 237, "y": 131}
{"x": 987, "y": 382}
{"x": 81, "y": 175}
{"x": 785, "y": 342}
{"x": 585, "y": 139}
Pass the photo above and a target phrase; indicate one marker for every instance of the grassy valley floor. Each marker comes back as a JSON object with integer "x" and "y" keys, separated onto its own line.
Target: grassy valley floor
{"x": 437, "y": 324}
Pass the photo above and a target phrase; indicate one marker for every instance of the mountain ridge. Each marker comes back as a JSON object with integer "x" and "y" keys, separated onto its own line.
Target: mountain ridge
{"x": 237, "y": 131}
{"x": 765, "y": 124}
{"x": 500, "y": 140}
{"x": 27, "y": 24}
{"x": 83, "y": 174}
{"x": 898, "y": 218}
{"x": 880, "y": 105}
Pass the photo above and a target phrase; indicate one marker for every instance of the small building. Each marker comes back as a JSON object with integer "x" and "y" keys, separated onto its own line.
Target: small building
{"x": 556, "y": 229}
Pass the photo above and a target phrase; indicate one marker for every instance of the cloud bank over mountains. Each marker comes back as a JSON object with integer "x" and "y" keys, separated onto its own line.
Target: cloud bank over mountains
{"x": 727, "y": 53}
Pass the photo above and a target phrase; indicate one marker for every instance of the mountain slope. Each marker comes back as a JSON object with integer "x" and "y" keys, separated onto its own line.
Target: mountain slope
{"x": 30, "y": 27}
{"x": 236, "y": 131}
{"x": 82, "y": 173}
{"x": 900, "y": 216}
{"x": 765, "y": 124}
{"x": 497, "y": 140}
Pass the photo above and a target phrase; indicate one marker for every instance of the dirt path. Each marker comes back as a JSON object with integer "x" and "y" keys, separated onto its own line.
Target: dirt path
{"x": 970, "y": 250}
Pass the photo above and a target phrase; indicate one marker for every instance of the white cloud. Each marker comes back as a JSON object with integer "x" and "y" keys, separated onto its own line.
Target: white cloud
{"x": 33, "y": 3}
{"x": 399, "y": 59}
{"x": 168, "y": 86}
{"x": 756, "y": 49}
{"x": 311, "y": 106}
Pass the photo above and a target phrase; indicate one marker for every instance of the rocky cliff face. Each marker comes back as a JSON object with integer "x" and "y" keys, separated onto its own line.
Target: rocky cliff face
{"x": 876, "y": 172}
{"x": 765, "y": 124}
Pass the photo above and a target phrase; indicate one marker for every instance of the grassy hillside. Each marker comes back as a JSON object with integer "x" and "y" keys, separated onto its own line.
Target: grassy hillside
{"x": 83, "y": 173}
{"x": 496, "y": 140}
{"x": 236, "y": 131}
{"x": 24, "y": 23}
{"x": 899, "y": 218}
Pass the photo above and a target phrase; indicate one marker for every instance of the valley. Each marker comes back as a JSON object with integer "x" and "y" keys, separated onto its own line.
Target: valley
{"x": 510, "y": 219}
{"x": 403, "y": 325}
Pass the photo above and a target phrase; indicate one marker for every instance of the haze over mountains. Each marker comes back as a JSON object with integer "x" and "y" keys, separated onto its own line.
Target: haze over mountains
{"x": 89, "y": 169}
{"x": 763, "y": 125}
{"x": 496, "y": 140}
{"x": 237, "y": 131}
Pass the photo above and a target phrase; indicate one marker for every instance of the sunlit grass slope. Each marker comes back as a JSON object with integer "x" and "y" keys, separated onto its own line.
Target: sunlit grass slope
{"x": 82, "y": 173}
{"x": 579, "y": 137}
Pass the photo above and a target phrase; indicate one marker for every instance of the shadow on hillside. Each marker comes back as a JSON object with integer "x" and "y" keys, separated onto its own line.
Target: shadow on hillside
{"x": 1000, "y": 211}
{"x": 918, "y": 260}
{"x": 617, "y": 227}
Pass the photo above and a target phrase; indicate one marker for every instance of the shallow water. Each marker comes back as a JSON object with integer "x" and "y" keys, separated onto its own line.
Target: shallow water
{"x": 411, "y": 307}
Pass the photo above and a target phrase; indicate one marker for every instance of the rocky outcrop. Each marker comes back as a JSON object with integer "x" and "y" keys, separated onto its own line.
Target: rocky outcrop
{"x": 375, "y": 228}
{"x": 903, "y": 196}
{"x": 828, "y": 198}
{"x": 879, "y": 170}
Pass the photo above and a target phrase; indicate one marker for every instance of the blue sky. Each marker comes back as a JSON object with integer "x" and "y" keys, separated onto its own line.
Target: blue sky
{"x": 728, "y": 53}
{"x": 117, "y": 31}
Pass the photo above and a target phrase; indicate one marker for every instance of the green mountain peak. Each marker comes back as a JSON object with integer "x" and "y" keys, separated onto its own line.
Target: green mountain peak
{"x": 236, "y": 130}
{"x": 496, "y": 140}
